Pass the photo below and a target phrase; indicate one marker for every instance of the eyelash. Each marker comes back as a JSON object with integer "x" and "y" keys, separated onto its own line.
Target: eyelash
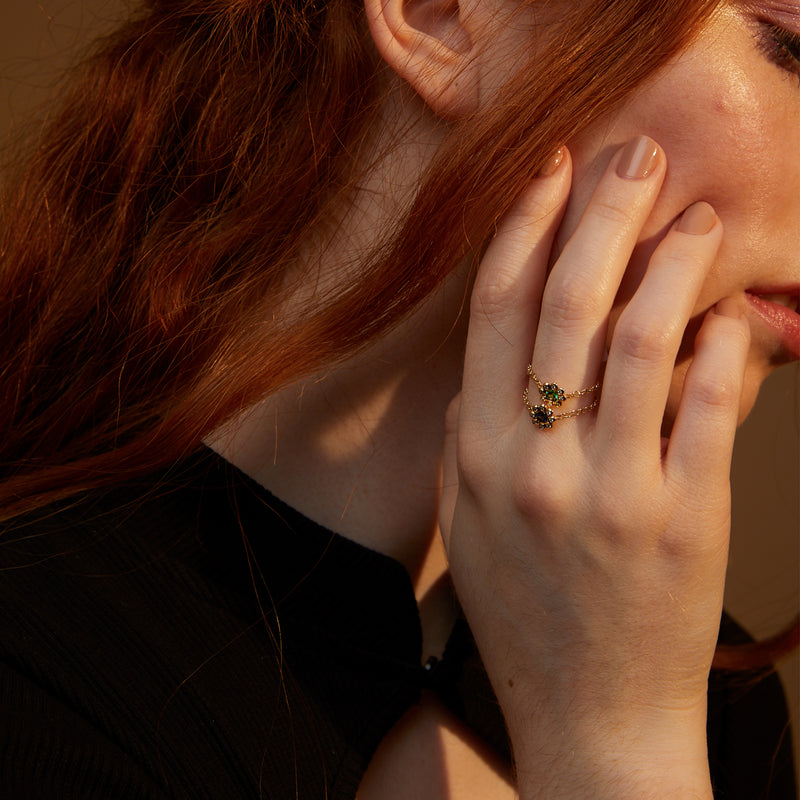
{"x": 782, "y": 47}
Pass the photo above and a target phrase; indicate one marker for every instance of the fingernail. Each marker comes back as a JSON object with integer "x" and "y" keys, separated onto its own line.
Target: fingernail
{"x": 698, "y": 219}
{"x": 552, "y": 164}
{"x": 728, "y": 307}
{"x": 639, "y": 158}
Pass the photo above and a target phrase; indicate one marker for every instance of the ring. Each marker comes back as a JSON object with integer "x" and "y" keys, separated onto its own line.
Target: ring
{"x": 553, "y": 395}
{"x": 543, "y": 416}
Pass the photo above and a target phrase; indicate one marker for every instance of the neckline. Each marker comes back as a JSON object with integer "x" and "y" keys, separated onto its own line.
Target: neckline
{"x": 327, "y": 584}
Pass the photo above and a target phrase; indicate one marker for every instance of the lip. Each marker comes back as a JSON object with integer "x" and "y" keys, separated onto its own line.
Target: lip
{"x": 784, "y": 322}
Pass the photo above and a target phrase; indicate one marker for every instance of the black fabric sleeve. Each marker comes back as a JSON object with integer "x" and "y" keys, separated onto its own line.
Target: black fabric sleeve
{"x": 49, "y": 751}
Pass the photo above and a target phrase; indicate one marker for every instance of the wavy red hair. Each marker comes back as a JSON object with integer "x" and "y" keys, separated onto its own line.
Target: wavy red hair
{"x": 150, "y": 239}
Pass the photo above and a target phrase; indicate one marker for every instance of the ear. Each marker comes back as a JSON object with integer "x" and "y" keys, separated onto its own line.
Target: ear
{"x": 429, "y": 44}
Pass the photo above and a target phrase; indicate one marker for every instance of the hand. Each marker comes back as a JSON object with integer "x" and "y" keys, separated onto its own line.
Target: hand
{"x": 590, "y": 557}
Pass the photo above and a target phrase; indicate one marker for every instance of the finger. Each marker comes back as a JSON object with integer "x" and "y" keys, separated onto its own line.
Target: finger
{"x": 584, "y": 280}
{"x": 650, "y": 330}
{"x": 505, "y": 302}
{"x": 701, "y": 443}
{"x": 447, "y": 501}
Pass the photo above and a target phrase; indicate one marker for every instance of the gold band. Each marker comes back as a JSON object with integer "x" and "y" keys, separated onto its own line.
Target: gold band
{"x": 553, "y": 394}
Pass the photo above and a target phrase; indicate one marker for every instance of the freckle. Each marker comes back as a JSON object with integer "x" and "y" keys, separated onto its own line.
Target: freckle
{"x": 722, "y": 104}
{"x": 510, "y": 683}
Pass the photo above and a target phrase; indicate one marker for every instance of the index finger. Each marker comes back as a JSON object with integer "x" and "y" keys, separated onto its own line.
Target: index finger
{"x": 504, "y": 311}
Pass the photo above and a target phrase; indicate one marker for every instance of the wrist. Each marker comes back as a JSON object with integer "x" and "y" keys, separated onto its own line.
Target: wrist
{"x": 622, "y": 781}
{"x": 640, "y": 761}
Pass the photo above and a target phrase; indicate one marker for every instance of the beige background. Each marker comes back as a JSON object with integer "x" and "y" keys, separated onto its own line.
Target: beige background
{"x": 37, "y": 37}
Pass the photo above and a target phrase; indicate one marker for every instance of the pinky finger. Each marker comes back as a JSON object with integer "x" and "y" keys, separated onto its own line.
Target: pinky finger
{"x": 701, "y": 444}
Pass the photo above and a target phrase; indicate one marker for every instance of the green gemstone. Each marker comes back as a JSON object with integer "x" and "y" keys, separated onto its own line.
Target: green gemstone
{"x": 552, "y": 393}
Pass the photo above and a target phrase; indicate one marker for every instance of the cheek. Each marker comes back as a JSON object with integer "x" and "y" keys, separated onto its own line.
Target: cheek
{"x": 727, "y": 120}
{"x": 723, "y": 146}
{"x": 729, "y": 138}
{"x": 722, "y": 142}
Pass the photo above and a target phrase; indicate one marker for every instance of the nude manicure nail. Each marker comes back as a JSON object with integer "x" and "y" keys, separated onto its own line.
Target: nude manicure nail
{"x": 728, "y": 307}
{"x": 639, "y": 158}
{"x": 552, "y": 164}
{"x": 698, "y": 219}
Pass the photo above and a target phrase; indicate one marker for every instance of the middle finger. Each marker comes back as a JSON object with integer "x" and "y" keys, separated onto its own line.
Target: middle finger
{"x": 583, "y": 283}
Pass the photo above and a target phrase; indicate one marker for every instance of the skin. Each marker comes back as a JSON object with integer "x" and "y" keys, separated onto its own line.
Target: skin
{"x": 595, "y": 538}
{"x": 598, "y": 503}
{"x": 744, "y": 164}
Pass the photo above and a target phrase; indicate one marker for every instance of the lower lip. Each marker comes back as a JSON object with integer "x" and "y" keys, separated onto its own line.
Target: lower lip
{"x": 784, "y": 321}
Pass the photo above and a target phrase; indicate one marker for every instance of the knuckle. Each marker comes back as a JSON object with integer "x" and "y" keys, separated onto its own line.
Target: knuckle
{"x": 644, "y": 340}
{"x": 538, "y": 496}
{"x": 734, "y": 332}
{"x": 475, "y": 467}
{"x": 571, "y": 300}
{"x": 677, "y": 544}
{"x": 533, "y": 209}
{"x": 612, "y": 211}
{"x": 611, "y": 512}
{"x": 471, "y": 478}
{"x": 715, "y": 393}
{"x": 673, "y": 545}
{"x": 686, "y": 263}
{"x": 685, "y": 251}
{"x": 495, "y": 294}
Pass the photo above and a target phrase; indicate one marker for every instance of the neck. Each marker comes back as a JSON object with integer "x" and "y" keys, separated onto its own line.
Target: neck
{"x": 358, "y": 448}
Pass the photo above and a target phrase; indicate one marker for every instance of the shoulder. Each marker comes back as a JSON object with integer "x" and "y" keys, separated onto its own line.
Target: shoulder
{"x": 192, "y": 634}
{"x": 121, "y": 645}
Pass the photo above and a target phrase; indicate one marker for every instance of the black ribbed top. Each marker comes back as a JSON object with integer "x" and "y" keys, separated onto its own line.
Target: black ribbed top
{"x": 191, "y": 636}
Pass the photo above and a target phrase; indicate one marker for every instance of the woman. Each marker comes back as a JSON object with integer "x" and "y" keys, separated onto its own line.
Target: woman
{"x": 275, "y": 280}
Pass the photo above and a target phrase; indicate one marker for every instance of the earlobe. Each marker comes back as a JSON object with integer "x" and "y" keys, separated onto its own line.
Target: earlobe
{"x": 428, "y": 44}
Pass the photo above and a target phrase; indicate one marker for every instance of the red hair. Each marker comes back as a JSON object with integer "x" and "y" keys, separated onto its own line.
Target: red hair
{"x": 151, "y": 238}
{"x": 758, "y": 655}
